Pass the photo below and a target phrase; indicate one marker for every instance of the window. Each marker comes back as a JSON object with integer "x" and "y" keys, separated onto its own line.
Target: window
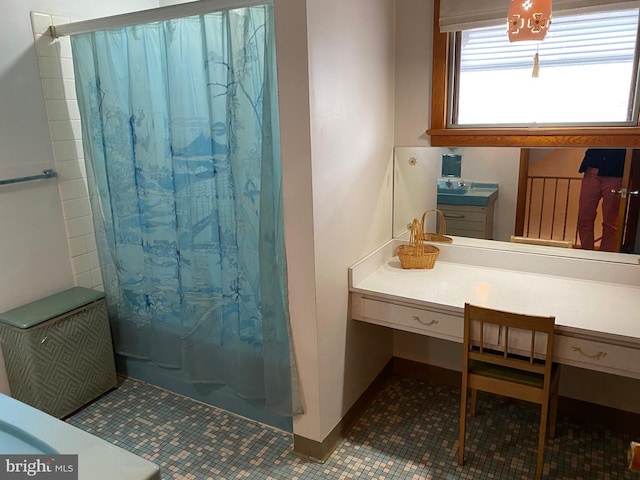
{"x": 605, "y": 50}
{"x": 587, "y": 74}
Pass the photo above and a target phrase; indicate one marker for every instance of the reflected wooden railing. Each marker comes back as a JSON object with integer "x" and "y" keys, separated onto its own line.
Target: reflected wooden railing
{"x": 552, "y": 208}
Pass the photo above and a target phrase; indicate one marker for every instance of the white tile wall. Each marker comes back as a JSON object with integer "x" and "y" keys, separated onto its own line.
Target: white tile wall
{"x": 58, "y": 84}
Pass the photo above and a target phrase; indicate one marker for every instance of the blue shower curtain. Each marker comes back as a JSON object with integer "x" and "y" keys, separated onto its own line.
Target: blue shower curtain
{"x": 181, "y": 137}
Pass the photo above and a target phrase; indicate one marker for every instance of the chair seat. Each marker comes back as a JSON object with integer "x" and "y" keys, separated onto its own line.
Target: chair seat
{"x": 505, "y": 373}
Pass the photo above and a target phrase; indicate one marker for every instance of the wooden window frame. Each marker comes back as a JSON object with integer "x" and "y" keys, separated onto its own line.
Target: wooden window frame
{"x": 441, "y": 136}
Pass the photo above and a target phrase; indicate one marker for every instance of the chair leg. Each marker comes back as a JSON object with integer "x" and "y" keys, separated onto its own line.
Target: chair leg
{"x": 463, "y": 419}
{"x": 553, "y": 415}
{"x": 542, "y": 437}
{"x": 474, "y": 401}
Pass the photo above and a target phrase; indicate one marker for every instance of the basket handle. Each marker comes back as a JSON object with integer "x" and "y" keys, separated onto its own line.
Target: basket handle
{"x": 417, "y": 236}
{"x": 442, "y": 223}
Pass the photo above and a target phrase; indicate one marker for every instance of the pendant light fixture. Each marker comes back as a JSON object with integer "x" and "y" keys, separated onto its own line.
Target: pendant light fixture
{"x": 528, "y": 19}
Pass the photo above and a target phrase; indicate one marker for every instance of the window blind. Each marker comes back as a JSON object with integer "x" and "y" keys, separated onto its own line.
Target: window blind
{"x": 458, "y": 15}
{"x": 605, "y": 37}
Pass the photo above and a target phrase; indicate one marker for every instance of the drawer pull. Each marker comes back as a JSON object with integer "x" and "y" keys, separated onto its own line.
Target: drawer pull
{"x": 597, "y": 356}
{"x": 426, "y": 324}
{"x": 449, "y": 215}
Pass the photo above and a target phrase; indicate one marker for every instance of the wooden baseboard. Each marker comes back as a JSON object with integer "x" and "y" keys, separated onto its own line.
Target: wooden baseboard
{"x": 584, "y": 412}
{"x": 321, "y": 451}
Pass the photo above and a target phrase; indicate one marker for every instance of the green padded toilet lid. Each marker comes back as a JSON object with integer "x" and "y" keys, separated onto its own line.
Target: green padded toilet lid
{"x": 49, "y": 307}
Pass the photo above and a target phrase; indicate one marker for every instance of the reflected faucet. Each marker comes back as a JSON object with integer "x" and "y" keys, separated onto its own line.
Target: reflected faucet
{"x": 449, "y": 183}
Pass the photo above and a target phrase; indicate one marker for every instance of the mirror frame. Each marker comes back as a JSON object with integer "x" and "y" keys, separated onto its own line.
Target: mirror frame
{"x": 441, "y": 136}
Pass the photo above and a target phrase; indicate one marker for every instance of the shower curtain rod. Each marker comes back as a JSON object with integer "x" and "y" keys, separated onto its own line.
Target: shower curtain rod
{"x": 200, "y": 7}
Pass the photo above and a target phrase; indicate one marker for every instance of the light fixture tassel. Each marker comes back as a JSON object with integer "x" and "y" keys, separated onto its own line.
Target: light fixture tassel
{"x": 536, "y": 66}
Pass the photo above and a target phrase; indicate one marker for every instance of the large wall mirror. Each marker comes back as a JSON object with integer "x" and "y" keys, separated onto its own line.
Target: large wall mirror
{"x": 538, "y": 192}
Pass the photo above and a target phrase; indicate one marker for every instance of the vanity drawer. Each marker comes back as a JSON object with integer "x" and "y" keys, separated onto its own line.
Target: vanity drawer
{"x": 404, "y": 317}
{"x": 597, "y": 356}
{"x": 465, "y": 216}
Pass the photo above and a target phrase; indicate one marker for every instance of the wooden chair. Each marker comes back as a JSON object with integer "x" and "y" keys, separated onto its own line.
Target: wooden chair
{"x": 520, "y": 366}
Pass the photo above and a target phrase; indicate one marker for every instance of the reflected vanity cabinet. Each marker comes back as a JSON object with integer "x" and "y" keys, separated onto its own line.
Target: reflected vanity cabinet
{"x": 473, "y": 221}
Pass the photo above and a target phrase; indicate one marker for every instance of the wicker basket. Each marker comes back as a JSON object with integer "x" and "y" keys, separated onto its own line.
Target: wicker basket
{"x": 442, "y": 229}
{"x": 417, "y": 254}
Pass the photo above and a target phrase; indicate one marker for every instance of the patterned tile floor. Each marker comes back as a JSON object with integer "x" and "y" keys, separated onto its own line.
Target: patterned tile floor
{"x": 408, "y": 432}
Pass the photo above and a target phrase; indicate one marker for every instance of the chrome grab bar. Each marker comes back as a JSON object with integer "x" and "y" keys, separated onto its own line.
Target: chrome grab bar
{"x": 44, "y": 174}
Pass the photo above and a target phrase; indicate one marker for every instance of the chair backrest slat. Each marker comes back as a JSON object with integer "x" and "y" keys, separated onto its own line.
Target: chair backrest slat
{"x": 506, "y": 341}
{"x": 533, "y": 346}
{"x": 517, "y": 320}
{"x": 516, "y": 354}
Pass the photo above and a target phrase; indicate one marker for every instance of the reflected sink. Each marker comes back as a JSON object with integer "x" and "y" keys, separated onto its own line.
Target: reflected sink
{"x": 453, "y": 190}
{"x": 14, "y": 440}
{"x": 472, "y": 193}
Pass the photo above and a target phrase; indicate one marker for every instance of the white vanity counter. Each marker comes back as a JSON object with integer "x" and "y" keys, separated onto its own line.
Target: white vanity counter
{"x": 596, "y": 302}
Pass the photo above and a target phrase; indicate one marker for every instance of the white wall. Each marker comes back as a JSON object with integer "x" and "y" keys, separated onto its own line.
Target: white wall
{"x": 415, "y": 190}
{"x": 350, "y": 57}
{"x": 413, "y": 72}
{"x": 293, "y": 84}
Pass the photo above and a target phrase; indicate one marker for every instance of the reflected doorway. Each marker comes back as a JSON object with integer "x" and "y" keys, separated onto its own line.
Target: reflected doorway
{"x": 548, "y": 192}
